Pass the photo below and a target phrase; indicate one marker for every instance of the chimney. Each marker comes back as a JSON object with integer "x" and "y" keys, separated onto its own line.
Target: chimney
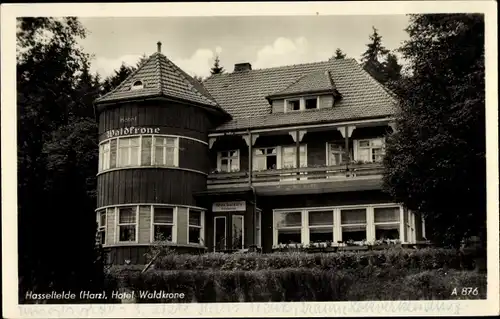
{"x": 240, "y": 67}
{"x": 158, "y": 45}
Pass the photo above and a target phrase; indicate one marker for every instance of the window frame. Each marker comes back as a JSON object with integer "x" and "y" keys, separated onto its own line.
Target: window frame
{"x": 397, "y": 224}
{"x": 201, "y": 227}
{"x": 329, "y": 153}
{"x": 276, "y": 229}
{"x": 118, "y": 225}
{"x": 369, "y": 224}
{"x": 256, "y": 156}
{"x": 370, "y": 148}
{"x": 302, "y": 103}
{"x": 331, "y": 226}
{"x": 106, "y": 156}
{"x": 153, "y": 223}
{"x": 102, "y": 228}
{"x": 220, "y": 158}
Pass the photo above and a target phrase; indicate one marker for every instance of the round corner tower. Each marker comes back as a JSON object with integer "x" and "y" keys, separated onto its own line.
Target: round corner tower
{"x": 153, "y": 156}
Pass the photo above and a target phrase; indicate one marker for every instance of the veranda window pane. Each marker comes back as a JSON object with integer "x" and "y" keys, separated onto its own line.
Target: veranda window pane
{"x": 194, "y": 218}
{"x": 164, "y": 215}
{"x": 127, "y": 215}
{"x": 321, "y": 218}
{"x": 194, "y": 235}
{"x": 355, "y": 233}
{"x": 289, "y": 236}
{"x": 386, "y": 214}
{"x": 127, "y": 233}
{"x": 293, "y": 219}
{"x": 353, "y": 216}
{"x": 364, "y": 155}
{"x": 103, "y": 219}
{"x": 387, "y": 232}
{"x": 113, "y": 146}
{"x": 163, "y": 232}
{"x": 317, "y": 235}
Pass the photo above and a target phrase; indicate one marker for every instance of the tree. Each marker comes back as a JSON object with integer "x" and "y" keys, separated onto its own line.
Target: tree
{"x": 143, "y": 59}
{"x": 435, "y": 162}
{"x": 392, "y": 70}
{"x": 57, "y": 158}
{"x": 372, "y": 58}
{"x": 198, "y": 78}
{"x": 339, "y": 54}
{"x": 217, "y": 69}
{"x": 116, "y": 79}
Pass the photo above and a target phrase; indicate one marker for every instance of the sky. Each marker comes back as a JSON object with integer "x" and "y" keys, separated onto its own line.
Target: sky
{"x": 264, "y": 41}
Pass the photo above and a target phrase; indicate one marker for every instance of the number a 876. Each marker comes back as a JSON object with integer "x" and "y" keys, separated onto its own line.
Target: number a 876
{"x": 465, "y": 291}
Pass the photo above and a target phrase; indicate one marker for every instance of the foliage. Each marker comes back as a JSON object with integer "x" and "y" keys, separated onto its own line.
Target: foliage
{"x": 57, "y": 158}
{"x": 217, "y": 68}
{"x": 435, "y": 162}
{"x": 339, "y": 54}
{"x": 117, "y": 78}
{"x": 398, "y": 258}
{"x": 303, "y": 284}
{"x": 372, "y": 58}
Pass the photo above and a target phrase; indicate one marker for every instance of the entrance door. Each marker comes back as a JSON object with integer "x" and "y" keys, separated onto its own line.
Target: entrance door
{"x": 220, "y": 236}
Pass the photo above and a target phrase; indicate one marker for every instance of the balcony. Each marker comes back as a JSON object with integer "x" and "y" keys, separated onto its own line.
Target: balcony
{"x": 351, "y": 176}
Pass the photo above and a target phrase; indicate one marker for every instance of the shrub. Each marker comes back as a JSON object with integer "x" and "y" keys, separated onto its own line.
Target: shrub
{"x": 306, "y": 284}
{"x": 399, "y": 258}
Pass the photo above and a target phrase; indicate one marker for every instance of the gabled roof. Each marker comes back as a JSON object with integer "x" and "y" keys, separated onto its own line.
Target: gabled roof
{"x": 314, "y": 82}
{"x": 243, "y": 95}
{"x": 161, "y": 78}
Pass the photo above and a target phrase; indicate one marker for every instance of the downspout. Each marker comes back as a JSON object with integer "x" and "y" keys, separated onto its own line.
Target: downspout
{"x": 250, "y": 160}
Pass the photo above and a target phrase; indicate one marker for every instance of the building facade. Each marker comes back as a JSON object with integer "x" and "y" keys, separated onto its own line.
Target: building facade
{"x": 266, "y": 158}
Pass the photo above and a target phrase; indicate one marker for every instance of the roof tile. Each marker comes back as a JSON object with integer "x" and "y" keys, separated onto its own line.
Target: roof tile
{"x": 243, "y": 94}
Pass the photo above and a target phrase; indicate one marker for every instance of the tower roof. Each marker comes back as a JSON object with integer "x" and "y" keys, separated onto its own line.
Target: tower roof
{"x": 160, "y": 77}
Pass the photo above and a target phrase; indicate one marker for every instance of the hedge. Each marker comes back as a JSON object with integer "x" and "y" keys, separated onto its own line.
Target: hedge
{"x": 305, "y": 284}
{"x": 423, "y": 259}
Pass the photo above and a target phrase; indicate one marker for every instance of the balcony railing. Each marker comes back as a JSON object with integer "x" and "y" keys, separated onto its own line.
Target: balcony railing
{"x": 340, "y": 172}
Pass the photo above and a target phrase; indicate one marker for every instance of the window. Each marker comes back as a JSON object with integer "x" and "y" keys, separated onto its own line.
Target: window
{"x": 265, "y": 158}
{"x": 165, "y": 151}
{"x": 145, "y": 150}
{"x": 163, "y": 222}
{"x": 228, "y": 161}
{"x": 238, "y": 232}
{"x": 137, "y": 85}
{"x": 353, "y": 224}
{"x": 128, "y": 151}
{"x": 387, "y": 223}
{"x": 289, "y": 225}
{"x": 195, "y": 227}
{"x": 101, "y": 227}
{"x": 334, "y": 154}
{"x": 258, "y": 227}
{"x": 289, "y": 157}
{"x": 127, "y": 224}
{"x": 371, "y": 150}
{"x": 220, "y": 237}
{"x": 301, "y": 104}
{"x": 311, "y": 103}
{"x": 104, "y": 156}
{"x": 293, "y": 105}
{"x": 321, "y": 226}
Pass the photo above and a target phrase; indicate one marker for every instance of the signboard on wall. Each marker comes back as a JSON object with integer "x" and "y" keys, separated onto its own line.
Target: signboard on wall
{"x": 236, "y": 206}
{"x": 132, "y": 131}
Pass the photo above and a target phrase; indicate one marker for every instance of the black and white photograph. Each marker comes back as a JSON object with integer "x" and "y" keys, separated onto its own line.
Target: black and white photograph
{"x": 250, "y": 159}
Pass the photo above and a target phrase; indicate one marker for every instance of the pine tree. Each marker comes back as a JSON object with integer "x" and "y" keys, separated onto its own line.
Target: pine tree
{"x": 372, "y": 59}
{"x": 339, "y": 54}
{"x": 217, "y": 69}
{"x": 142, "y": 60}
{"x": 116, "y": 79}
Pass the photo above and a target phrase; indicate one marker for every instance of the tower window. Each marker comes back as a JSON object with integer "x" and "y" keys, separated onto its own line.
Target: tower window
{"x": 137, "y": 85}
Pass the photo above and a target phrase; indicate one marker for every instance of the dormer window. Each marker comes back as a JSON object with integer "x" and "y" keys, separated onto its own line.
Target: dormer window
{"x": 301, "y": 104}
{"x": 137, "y": 85}
{"x": 294, "y": 105}
{"x": 311, "y": 103}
